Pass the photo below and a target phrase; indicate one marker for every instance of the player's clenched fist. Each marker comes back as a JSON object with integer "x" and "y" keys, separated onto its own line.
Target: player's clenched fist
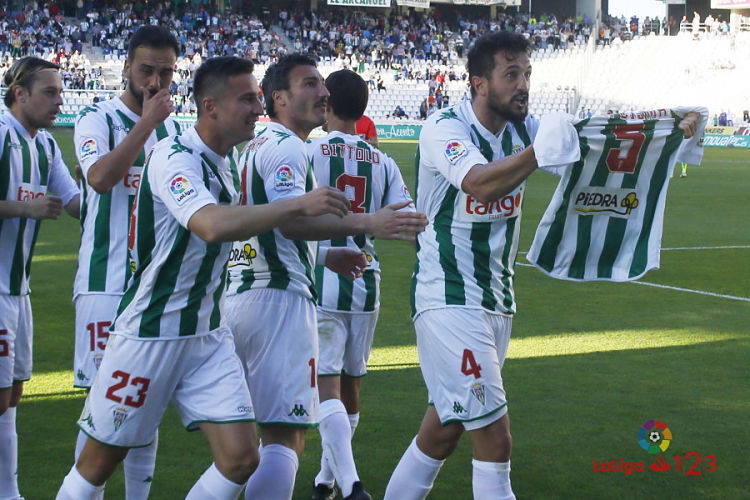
{"x": 388, "y": 223}
{"x": 324, "y": 200}
{"x": 44, "y": 207}
{"x": 689, "y": 124}
{"x": 347, "y": 262}
{"x": 156, "y": 107}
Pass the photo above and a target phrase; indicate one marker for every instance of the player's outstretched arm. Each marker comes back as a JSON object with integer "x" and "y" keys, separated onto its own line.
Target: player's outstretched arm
{"x": 387, "y": 223}
{"x": 113, "y": 166}
{"x": 43, "y": 207}
{"x": 218, "y": 223}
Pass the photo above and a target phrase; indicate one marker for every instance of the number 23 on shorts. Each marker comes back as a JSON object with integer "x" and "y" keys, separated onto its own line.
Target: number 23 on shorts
{"x": 140, "y": 383}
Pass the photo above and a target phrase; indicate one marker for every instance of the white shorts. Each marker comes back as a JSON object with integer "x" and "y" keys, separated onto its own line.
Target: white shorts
{"x": 16, "y": 339}
{"x": 461, "y": 353}
{"x": 345, "y": 342}
{"x": 276, "y": 336}
{"x": 201, "y": 376}
{"x": 94, "y": 315}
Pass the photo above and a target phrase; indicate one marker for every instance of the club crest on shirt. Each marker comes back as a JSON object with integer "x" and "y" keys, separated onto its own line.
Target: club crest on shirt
{"x": 88, "y": 148}
{"x": 406, "y": 193}
{"x": 454, "y": 150}
{"x": 181, "y": 189}
{"x": 284, "y": 178}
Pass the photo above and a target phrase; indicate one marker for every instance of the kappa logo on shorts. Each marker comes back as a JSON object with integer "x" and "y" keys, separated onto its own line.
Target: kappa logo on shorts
{"x": 298, "y": 411}
{"x": 88, "y": 148}
{"x": 457, "y": 408}
{"x": 454, "y": 150}
{"x": 478, "y": 391}
{"x": 245, "y": 409}
{"x": 119, "y": 416}
{"x": 284, "y": 178}
{"x": 88, "y": 421}
{"x": 81, "y": 376}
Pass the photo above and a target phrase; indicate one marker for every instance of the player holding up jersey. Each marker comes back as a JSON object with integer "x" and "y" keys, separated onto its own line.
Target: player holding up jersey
{"x": 31, "y": 167}
{"x": 112, "y": 139}
{"x": 168, "y": 341}
{"x": 347, "y": 310}
{"x": 270, "y": 303}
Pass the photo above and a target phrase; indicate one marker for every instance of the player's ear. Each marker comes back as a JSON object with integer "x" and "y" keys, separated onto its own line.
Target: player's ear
{"x": 480, "y": 85}
{"x": 279, "y": 98}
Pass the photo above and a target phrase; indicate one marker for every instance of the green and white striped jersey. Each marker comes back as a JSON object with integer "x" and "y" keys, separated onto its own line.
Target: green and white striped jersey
{"x": 371, "y": 180}
{"x": 178, "y": 279}
{"x": 605, "y": 219}
{"x": 274, "y": 166}
{"x": 29, "y": 168}
{"x": 103, "y": 255}
{"x": 465, "y": 256}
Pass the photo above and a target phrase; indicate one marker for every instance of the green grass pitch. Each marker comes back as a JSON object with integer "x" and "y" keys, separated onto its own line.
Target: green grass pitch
{"x": 588, "y": 365}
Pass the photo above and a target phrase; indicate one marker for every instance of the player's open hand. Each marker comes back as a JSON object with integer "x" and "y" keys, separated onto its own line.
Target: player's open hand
{"x": 689, "y": 124}
{"x": 347, "y": 262}
{"x": 157, "y": 107}
{"x": 389, "y": 224}
{"x": 324, "y": 200}
{"x": 44, "y": 207}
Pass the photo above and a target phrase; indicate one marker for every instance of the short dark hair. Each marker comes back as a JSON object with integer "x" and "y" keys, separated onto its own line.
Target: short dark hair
{"x": 277, "y": 77}
{"x": 481, "y": 55}
{"x": 23, "y": 74}
{"x": 157, "y": 37}
{"x": 212, "y": 75}
{"x": 349, "y": 94}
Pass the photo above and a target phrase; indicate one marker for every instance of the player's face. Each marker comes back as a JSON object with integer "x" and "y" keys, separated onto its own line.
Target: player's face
{"x": 240, "y": 107}
{"x": 151, "y": 68}
{"x": 40, "y": 106}
{"x": 307, "y": 97}
{"x": 508, "y": 86}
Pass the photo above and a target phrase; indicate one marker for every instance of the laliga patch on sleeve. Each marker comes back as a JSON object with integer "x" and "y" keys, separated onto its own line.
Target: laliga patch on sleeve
{"x": 406, "y": 193}
{"x": 181, "y": 189}
{"x": 88, "y": 149}
{"x": 455, "y": 150}
{"x": 284, "y": 178}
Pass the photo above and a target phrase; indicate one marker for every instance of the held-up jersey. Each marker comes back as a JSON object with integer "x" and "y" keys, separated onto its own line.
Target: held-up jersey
{"x": 29, "y": 168}
{"x": 465, "y": 256}
{"x": 178, "y": 279}
{"x": 371, "y": 180}
{"x": 274, "y": 166}
{"x": 103, "y": 255}
{"x": 605, "y": 219}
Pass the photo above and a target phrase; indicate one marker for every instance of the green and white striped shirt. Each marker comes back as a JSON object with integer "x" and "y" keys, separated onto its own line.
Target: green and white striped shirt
{"x": 371, "y": 180}
{"x": 465, "y": 256}
{"x": 178, "y": 279}
{"x": 274, "y": 166}
{"x": 605, "y": 219}
{"x": 29, "y": 168}
{"x": 103, "y": 255}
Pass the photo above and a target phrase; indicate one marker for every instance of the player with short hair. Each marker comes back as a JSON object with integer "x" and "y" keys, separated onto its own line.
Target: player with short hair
{"x": 31, "y": 167}
{"x": 112, "y": 139}
{"x": 270, "y": 304}
{"x": 473, "y": 161}
{"x": 347, "y": 310}
{"x": 168, "y": 341}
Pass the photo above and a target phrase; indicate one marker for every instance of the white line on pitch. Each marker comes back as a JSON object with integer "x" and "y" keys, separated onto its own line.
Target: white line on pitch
{"x": 708, "y": 248}
{"x": 677, "y": 288}
{"x": 699, "y": 292}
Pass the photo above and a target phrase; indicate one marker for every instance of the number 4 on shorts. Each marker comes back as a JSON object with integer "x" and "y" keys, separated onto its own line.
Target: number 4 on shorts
{"x": 469, "y": 365}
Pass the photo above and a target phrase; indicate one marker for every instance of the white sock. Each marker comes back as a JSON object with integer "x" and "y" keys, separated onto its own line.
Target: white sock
{"x": 414, "y": 475}
{"x": 491, "y": 480}
{"x": 76, "y": 487}
{"x": 274, "y": 477}
{"x": 139, "y": 467}
{"x": 353, "y": 421}
{"x": 212, "y": 485}
{"x": 335, "y": 436}
{"x": 8, "y": 455}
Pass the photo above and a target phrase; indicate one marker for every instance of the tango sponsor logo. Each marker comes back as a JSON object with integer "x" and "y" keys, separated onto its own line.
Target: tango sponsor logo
{"x": 28, "y": 192}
